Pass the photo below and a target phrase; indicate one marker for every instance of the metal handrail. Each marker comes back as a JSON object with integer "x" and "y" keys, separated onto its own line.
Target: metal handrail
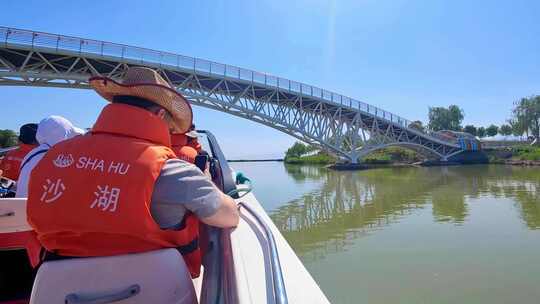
{"x": 280, "y": 293}
{"x": 6, "y": 150}
{"x": 143, "y": 55}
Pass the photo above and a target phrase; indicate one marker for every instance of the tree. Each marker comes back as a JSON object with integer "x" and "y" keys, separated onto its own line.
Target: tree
{"x": 299, "y": 149}
{"x": 441, "y": 118}
{"x": 8, "y": 138}
{"x": 517, "y": 127}
{"x": 481, "y": 132}
{"x": 535, "y": 116}
{"x": 470, "y": 129}
{"x": 417, "y": 125}
{"x": 505, "y": 130}
{"x": 526, "y": 115}
{"x": 456, "y": 117}
{"x": 492, "y": 130}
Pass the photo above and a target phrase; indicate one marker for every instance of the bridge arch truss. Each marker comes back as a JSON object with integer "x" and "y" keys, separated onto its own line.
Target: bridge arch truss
{"x": 338, "y": 124}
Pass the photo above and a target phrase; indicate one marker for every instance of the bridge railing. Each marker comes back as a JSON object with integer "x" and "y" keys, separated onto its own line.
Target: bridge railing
{"x": 143, "y": 55}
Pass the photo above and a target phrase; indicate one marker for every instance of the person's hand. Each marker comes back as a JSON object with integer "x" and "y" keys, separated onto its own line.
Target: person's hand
{"x": 1, "y": 171}
{"x": 207, "y": 172}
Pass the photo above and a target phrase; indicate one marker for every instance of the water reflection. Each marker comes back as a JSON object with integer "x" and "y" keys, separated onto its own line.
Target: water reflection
{"x": 349, "y": 205}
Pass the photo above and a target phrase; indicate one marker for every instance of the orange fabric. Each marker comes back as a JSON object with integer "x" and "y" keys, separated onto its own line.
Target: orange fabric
{"x": 178, "y": 141}
{"x": 187, "y": 153}
{"x": 11, "y": 163}
{"x": 90, "y": 195}
{"x": 180, "y": 148}
{"x": 194, "y": 143}
{"x": 23, "y": 240}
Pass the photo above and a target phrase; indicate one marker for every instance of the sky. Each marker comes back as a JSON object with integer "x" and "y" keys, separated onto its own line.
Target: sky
{"x": 402, "y": 56}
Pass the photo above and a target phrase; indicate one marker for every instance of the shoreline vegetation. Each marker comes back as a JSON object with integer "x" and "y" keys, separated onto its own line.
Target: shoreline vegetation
{"x": 255, "y": 160}
{"x": 300, "y": 153}
{"x": 518, "y": 155}
{"x": 399, "y": 157}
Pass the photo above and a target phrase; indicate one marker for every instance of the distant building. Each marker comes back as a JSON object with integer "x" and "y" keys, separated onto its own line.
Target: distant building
{"x": 465, "y": 140}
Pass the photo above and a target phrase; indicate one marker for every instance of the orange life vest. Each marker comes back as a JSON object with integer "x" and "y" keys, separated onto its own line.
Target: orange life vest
{"x": 11, "y": 163}
{"x": 180, "y": 148}
{"x": 91, "y": 195}
{"x": 23, "y": 240}
{"x": 194, "y": 143}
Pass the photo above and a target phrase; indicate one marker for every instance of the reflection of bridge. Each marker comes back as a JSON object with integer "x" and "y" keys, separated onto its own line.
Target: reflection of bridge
{"x": 349, "y": 205}
{"x": 339, "y": 124}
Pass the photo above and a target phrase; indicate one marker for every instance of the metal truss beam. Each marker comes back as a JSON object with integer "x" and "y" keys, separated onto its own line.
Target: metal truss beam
{"x": 337, "y": 127}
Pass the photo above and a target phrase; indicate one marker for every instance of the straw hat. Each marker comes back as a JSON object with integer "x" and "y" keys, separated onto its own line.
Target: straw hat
{"x": 148, "y": 84}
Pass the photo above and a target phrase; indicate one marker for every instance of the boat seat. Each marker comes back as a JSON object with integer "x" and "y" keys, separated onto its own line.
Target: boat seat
{"x": 159, "y": 276}
{"x": 13, "y": 215}
{"x": 15, "y": 233}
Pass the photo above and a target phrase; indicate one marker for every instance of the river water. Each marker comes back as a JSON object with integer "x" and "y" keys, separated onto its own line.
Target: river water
{"x": 468, "y": 234}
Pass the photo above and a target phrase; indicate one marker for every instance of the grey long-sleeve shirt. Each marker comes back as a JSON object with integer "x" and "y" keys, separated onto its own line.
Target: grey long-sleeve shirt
{"x": 181, "y": 186}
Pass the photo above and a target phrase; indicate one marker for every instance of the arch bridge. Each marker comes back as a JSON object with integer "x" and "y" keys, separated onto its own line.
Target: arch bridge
{"x": 338, "y": 124}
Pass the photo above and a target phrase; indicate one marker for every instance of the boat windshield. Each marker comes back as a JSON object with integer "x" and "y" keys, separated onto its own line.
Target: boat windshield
{"x": 205, "y": 143}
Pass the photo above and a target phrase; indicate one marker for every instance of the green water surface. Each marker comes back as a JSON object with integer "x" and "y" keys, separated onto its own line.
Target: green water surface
{"x": 468, "y": 234}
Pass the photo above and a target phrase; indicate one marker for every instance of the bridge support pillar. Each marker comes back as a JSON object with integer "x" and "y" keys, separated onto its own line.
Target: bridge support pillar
{"x": 354, "y": 157}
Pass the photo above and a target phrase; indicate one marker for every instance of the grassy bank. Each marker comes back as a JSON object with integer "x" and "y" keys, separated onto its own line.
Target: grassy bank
{"x": 527, "y": 153}
{"x": 386, "y": 156}
{"x": 317, "y": 159}
{"x": 392, "y": 155}
{"x": 514, "y": 154}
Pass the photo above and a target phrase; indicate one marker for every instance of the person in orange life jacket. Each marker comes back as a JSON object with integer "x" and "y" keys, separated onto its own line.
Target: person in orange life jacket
{"x": 189, "y": 154}
{"x": 193, "y": 145}
{"x": 11, "y": 163}
{"x": 51, "y": 130}
{"x": 90, "y": 195}
{"x": 192, "y": 139}
{"x": 10, "y": 166}
{"x": 181, "y": 149}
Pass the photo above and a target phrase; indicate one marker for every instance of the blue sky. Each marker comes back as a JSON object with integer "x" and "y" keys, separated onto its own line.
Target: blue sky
{"x": 402, "y": 56}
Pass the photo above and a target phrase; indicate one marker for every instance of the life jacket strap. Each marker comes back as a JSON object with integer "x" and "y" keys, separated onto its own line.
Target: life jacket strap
{"x": 189, "y": 248}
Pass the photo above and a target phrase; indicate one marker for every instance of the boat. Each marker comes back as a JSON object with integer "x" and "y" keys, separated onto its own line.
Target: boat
{"x": 252, "y": 263}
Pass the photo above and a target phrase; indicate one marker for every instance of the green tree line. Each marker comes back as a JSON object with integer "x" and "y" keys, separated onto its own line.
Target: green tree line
{"x": 451, "y": 118}
{"x": 525, "y": 120}
{"x": 301, "y": 153}
{"x": 298, "y": 150}
{"x": 526, "y": 116}
{"x": 8, "y": 138}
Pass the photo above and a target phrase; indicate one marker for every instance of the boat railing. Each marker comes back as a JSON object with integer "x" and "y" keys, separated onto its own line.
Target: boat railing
{"x": 6, "y": 150}
{"x": 280, "y": 293}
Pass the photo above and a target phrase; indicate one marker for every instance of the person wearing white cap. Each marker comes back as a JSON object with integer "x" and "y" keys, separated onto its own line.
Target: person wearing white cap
{"x": 51, "y": 130}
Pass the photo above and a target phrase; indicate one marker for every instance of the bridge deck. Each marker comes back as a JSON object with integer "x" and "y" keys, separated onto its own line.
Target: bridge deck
{"x": 307, "y": 112}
